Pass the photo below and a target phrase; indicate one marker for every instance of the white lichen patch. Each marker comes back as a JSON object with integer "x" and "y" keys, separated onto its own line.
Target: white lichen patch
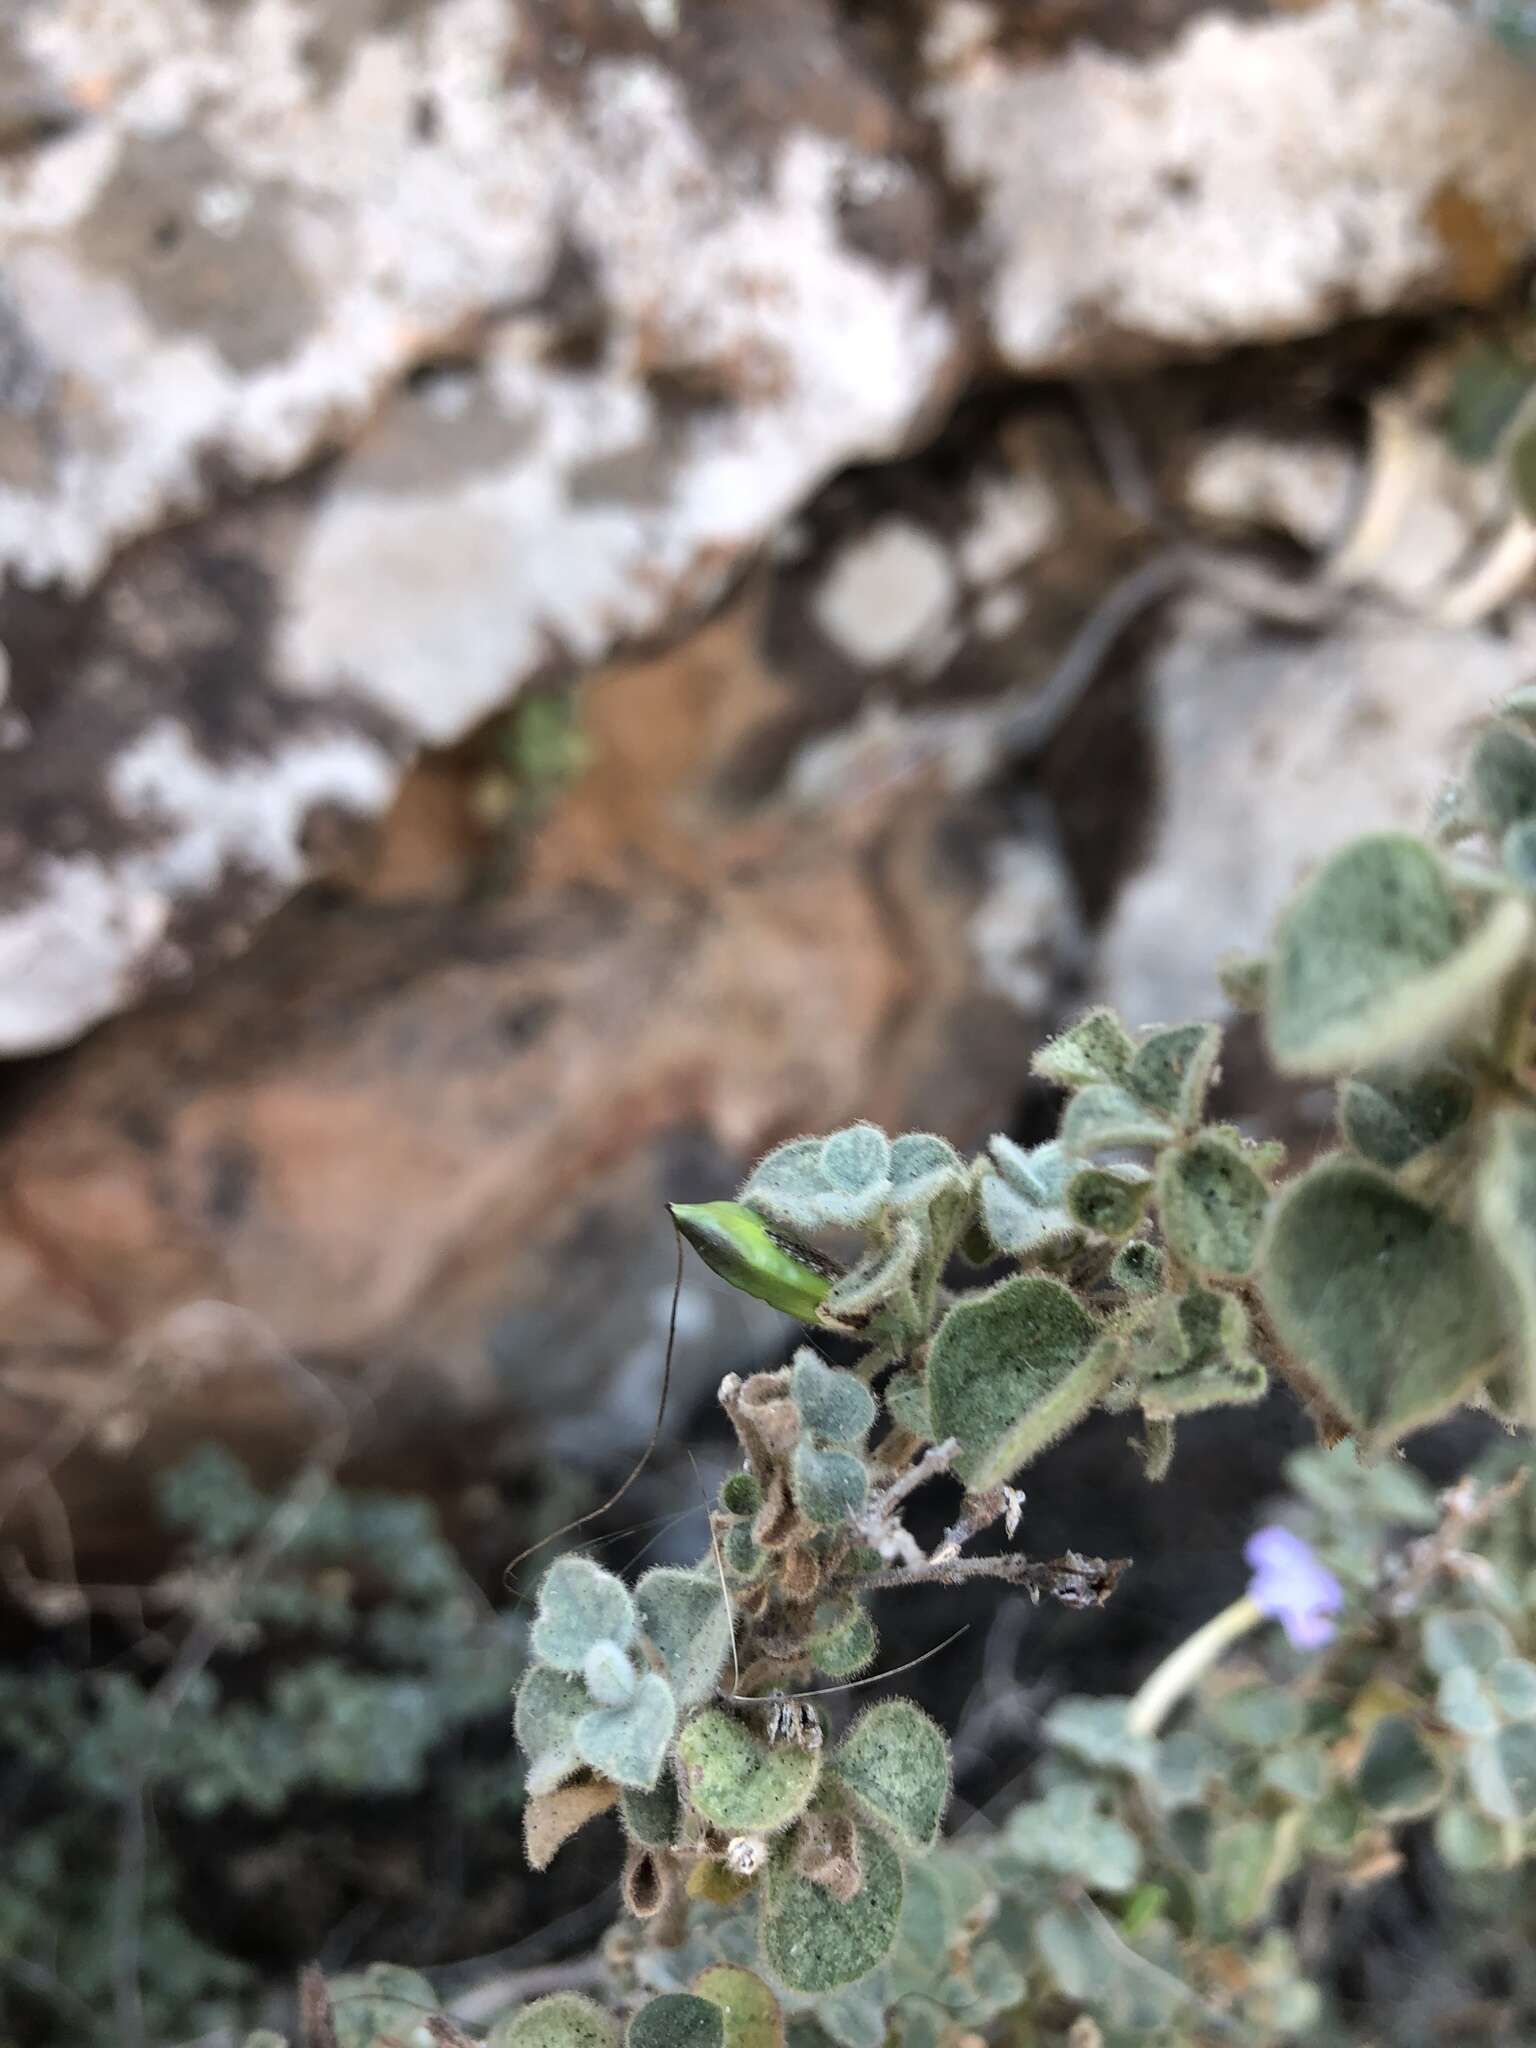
{"x": 1251, "y": 179}
{"x": 888, "y": 594}
{"x": 1304, "y": 489}
{"x": 1026, "y": 929}
{"x": 1011, "y": 523}
{"x": 97, "y": 930}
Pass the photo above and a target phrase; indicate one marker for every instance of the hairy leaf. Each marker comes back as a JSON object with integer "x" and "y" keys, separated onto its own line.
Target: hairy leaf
{"x": 1173, "y": 1069}
{"x": 1384, "y": 1302}
{"x": 552, "y": 1818}
{"x": 1397, "y": 1776}
{"x": 1097, "y": 1048}
{"x": 651, "y": 1818}
{"x": 608, "y": 1675}
{"x": 1010, "y": 1369}
{"x": 1502, "y": 777}
{"x": 844, "y": 1641}
{"x": 1211, "y": 1205}
{"x": 749, "y": 2009}
{"x": 895, "y": 1762}
{"x": 629, "y": 1743}
{"x": 549, "y": 1705}
{"x": 684, "y": 1615}
{"x": 1373, "y": 960}
{"x": 580, "y": 1605}
{"x": 835, "y": 1406}
{"x": 813, "y": 1942}
{"x": 562, "y": 2020}
{"x": 830, "y": 1486}
{"x": 1104, "y": 1118}
{"x": 1390, "y": 1116}
{"x": 677, "y": 2019}
{"x": 739, "y": 1783}
{"x": 1108, "y": 1200}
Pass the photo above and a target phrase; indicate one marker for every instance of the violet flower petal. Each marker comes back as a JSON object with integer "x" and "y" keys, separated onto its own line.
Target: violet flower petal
{"x": 1291, "y": 1585}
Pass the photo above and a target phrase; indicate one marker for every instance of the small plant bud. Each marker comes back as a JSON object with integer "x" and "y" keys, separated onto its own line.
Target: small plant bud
{"x": 741, "y": 1494}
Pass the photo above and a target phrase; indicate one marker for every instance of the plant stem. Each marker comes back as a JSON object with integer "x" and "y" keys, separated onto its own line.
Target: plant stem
{"x": 1184, "y": 1667}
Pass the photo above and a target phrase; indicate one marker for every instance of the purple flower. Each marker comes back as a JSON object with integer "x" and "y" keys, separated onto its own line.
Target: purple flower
{"x": 1292, "y": 1587}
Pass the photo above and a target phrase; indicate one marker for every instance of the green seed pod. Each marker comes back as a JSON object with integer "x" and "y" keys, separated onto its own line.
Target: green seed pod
{"x": 737, "y": 1244}
{"x": 844, "y": 1642}
{"x": 1139, "y": 1268}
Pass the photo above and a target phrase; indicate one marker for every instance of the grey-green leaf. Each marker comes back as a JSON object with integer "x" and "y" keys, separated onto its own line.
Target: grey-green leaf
{"x": 1010, "y": 1369}
{"x": 685, "y": 1617}
{"x": 813, "y": 1942}
{"x": 1385, "y": 1303}
{"x": 895, "y": 1762}
{"x": 1212, "y": 1206}
{"x": 580, "y": 1605}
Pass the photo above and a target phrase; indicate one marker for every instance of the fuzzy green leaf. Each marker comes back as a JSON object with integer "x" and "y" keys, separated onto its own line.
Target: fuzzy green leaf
{"x": 382, "y": 2003}
{"x": 882, "y": 1279}
{"x": 1397, "y": 1776}
{"x": 745, "y": 1557}
{"x": 1464, "y": 1703}
{"x": 1502, "y": 777}
{"x": 814, "y": 1942}
{"x": 1172, "y": 1071}
{"x": 580, "y": 1605}
{"x": 1009, "y": 1370}
{"x": 1193, "y": 1355}
{"x": 1211, "y": 1205}
{"x": 608, "y": 1675}
{"x": 676, "y": 2020}
{"x": 749, "y": 2009}
{"x": 1040, "y": 1174}
{"x": 1469, "y": 1641}
{"x": 922, "y": 1167}
{"x": 829, "y": 1486}
{"x": 735, "y": 1243}
{"x": 740, "y": 1784}
{"x": 1385, "y": 1303}
{"x": 1015, "y": 1224}
{"x": 1109, "y": 1201}
{"x": 1097, "y": 1048}
{"x": 684, "y": 1615}
{"x": 1139, "y": 1269}
{"x": 1390, "y": 1117}
{"x": 1095, "y": 1730}
{"x": 651, "y": 1817}
{"x": 1373, "y": 960}
{"x": 549, "y": 1705}
{"x": 835, "y": 1406}
{"x": 1066, "y": 1834}
{"x": 906, "y": 1401}
{"x": 1506, "y": 1211}
{"x": 1467, "y": 1839}
{"x": 844, "y": 1641}
{"x": 741, "y": 1494}
{"x": 563, "y": 2020}
{"x": 1103, "y": 1119}
{"x": 1517, "y": 850}
{"x": 1502, "y": 1773}
{"x": 895, "y": 1763}
{"x": 1512, "y": 1682}
{"x": 1249, "y": 1860}
{"x": 629, "y": 1744}
{"x": 857, "y": 1159}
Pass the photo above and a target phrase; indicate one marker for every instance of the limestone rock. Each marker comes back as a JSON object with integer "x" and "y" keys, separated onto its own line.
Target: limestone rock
{"x": 1191, "y": 177}
{"x": 589, "y": 296}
